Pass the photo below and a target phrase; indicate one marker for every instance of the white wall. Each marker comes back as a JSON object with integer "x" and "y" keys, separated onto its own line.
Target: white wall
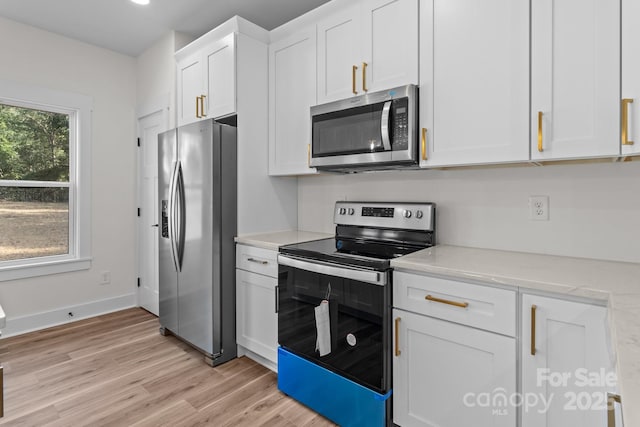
{"x": 39, "y": 58}
{"x": 594, "y": 208}
{"x": 156, "y": 74}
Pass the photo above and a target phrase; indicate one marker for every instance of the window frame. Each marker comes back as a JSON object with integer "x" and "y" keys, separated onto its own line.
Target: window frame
{"x": 79, "y": 108}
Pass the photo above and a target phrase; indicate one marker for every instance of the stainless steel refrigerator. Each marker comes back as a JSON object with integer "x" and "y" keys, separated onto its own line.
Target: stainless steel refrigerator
{"x": 197, "y": 194}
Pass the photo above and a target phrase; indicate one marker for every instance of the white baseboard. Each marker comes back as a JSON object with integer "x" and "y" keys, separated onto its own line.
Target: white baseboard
{"x": 38, "y": 321}
{"x": 243, "y": 351}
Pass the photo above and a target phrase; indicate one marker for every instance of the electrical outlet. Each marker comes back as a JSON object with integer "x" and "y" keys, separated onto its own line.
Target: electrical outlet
{"x": 539, "y": 208}
{"x": 105, "y": 277}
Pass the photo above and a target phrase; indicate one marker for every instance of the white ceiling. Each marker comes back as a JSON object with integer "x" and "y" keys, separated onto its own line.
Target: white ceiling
{"x": 129, "y": 28}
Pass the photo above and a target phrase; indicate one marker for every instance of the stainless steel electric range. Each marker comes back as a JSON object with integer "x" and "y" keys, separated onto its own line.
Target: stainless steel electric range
{"x": 334, "y": 309}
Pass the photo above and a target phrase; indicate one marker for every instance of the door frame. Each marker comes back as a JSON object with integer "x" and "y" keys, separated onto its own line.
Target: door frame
{"x": 159, "y": 104}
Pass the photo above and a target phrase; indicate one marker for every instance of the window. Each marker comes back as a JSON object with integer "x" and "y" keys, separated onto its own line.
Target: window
{"x": 44, "y": 180}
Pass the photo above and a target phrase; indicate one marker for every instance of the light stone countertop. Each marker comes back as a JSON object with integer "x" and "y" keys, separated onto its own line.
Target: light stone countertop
{"x": 279, "y": 238}
{"x": 616, "y": 283}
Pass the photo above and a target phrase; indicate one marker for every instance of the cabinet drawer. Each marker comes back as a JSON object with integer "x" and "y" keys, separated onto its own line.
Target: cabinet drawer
{"x": 486, "y": 308}
{"x": 257, "y": 260}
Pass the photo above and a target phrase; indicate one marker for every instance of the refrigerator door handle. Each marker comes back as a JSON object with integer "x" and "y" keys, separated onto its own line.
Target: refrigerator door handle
{"x": 181, "y": 215}
{"x": 172, "y": 215}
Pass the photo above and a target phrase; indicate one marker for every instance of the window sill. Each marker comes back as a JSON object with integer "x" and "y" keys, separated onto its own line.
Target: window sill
{"x": 43, "y": 268}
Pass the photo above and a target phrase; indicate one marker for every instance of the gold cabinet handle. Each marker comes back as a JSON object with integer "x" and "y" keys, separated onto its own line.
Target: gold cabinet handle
{"x": 202, "y": 114}
{"x": 364, "y": 76}
{"x": 533, "y": 329}
{"x": 353, "y": 79}
{"x": 308, "y": 155}
{"x": 397, "y": 340}
{"x": 625, "y": 121}
{"x": 424, "y": 144}
{"x": 446, "y": 301}
{"x": 197, "y": 107}
{"x": 612, "y": 399}
{"x": 540, "y": 149}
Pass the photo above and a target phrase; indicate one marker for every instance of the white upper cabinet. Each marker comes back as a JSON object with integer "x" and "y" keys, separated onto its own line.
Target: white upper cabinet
{"x": 630, "y": 138}
{"x": 220, "y": 78}
{"x": 190, "y": 87}
{"x": 339, "y": 57}
{"x": 474, "y": 81}
{"x": 575, "y": 78}
{"x": 292, "y": 92}
{"x": 206, "y": 81}
{"x": 370, "y": 45}
{"x": 390, "y": 38}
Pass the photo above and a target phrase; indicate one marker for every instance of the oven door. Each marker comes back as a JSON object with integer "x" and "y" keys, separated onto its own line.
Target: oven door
{"x": 359, "y": 315}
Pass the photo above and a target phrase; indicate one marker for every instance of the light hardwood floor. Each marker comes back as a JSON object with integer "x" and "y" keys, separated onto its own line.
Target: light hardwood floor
{"x": 117, "y": 370}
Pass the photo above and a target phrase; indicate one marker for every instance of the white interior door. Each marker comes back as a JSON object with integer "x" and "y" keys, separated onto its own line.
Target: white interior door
{"x": 149, "y": 126}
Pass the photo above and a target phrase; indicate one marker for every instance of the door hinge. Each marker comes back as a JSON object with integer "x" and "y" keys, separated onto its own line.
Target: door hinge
{"x": 138, "y": 282}
{"x": 138, "y": 211}
{"x": 138, "y": 142}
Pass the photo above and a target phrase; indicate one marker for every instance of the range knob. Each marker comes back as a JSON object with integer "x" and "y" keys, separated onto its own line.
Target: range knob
{"x": 343, "y": 211}
{"x": 351, "y": 211}
{"x": 407, "y": 213}
{"x": 419, "y": 214}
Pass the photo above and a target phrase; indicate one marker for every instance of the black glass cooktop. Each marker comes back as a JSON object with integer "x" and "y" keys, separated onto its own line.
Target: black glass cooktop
{"x": 351, "y": 252}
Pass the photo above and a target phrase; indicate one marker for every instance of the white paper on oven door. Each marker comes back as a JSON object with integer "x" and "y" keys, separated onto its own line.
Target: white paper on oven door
{"x": 323, "y": 342}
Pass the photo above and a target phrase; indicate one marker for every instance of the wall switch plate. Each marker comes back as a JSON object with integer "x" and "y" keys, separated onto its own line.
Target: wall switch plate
{"x": 539, "y": 208}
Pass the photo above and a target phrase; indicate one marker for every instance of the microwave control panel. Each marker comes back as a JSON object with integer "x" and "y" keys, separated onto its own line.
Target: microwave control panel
{"x": 400, "y": 124}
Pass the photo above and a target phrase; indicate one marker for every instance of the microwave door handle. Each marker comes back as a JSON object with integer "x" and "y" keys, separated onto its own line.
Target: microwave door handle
{"x": 384, "y": 126}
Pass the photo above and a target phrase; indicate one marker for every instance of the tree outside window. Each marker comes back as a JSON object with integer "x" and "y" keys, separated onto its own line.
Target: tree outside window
{"x": 35, "y": 185}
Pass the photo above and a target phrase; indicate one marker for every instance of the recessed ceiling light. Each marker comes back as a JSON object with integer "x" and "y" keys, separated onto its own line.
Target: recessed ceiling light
{"x": 141, "y": 1}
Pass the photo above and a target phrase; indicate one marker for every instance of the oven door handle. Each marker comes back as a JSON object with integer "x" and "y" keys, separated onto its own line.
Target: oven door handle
{"x": 373, "y": 277}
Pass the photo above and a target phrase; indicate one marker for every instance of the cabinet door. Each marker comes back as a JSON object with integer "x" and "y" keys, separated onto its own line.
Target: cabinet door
{"x": 390, "y": 44}
{"x": 338, "y": 52}
{"x": 292, "y": 92}
{"x": 575, "y": 78}
{"x": 474, "y": 81}
{"x": 631, "y": 75}
{"x": 189, "y": 88}
{"x": 220, "y": 77}
{"x": 443, "y": 370}
{"x": 569, "y": 341}
{"x": 256, "y": 318}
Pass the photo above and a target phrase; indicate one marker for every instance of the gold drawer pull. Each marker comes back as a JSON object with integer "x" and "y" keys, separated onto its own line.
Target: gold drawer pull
{"x": 424, "y": 144}
{"x": 397, "y": 341}
{"x": 445, "y": 301}
{"x": 540, "y": 149}
{"x": 612, "y": 399}
{"x": 533, "y": 329}
{"x": 202, "y": 114}
{"x": 625, "y": 121}
{"x": 364, "y": 77}
{"x": 353, "y": 79}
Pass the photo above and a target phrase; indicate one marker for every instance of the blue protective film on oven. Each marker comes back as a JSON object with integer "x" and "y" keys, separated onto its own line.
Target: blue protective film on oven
{"x": 335, "y": 397}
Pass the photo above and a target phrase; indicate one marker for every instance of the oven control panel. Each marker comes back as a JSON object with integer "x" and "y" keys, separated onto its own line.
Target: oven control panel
{"x": 410, "y": 216}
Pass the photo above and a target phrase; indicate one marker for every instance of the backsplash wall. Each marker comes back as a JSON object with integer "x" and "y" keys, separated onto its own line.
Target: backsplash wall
{"x": 594, "y": 209}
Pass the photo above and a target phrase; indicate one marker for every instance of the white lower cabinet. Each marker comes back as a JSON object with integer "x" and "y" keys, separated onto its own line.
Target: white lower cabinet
{"x": 256, "y": 317}
{"x": 447, "y": 372}
{"x": 449, "y": 375}
{"x": 566, "y": 363}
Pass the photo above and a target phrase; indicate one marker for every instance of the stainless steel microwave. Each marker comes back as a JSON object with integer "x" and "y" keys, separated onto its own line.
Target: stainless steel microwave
{"x": 372, "y": 131}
